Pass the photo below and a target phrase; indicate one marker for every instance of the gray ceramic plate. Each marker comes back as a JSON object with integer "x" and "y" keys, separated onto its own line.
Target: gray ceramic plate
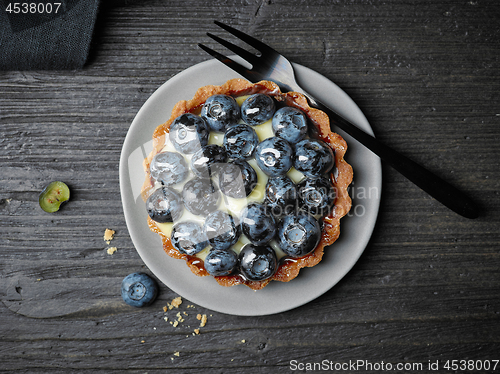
{"x": 356, "y": 228}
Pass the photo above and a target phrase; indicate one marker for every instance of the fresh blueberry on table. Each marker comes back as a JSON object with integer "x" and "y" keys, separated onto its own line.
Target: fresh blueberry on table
{"x": 164, "y": 205}
{"x": 240, "y": 141}
{"x": 221, "y": 230}
{"x": 221, "y": 262}
{"x": 200, "y": 196}
{"x": 139, "y": 289}
{"x": 257, "y": 224}
{"x": 206, "y": 160}
{"x": 316, "y": 196}
{"x": 257, "y": 262}
{"x": 298, "y": 235}
{"x": 281, "y": 196}
{"x": 290, "y": 124}
{"x": 257, "y": 109}
{"x": 169, "y": 168}
{"x": 237, "y": 179}
{"x": 313, "y": 157}
{"x": 220, "y": 112}
{"x": 188, "y": 133}
{"x": 188, "y": 238}
{"x": 274, "y": 156}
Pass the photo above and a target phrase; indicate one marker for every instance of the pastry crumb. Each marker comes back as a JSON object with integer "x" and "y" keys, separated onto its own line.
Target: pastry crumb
{"x": 108, "y": 235}
{"x": 181, "y": 315}
{"x": 177, "y": 302}
{"x": 203, "y": 319}
{"x": 111, "y": 250}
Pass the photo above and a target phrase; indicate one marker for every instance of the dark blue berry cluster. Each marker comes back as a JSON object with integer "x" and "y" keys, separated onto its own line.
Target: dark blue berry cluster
{"x": 288, "y": 215}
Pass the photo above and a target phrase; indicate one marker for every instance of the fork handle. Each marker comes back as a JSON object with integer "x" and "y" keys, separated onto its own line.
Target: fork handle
{"x": 441, "y": 190}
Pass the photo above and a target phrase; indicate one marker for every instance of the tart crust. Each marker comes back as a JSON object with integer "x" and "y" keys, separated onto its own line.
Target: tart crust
{"x": 341, "y": 177}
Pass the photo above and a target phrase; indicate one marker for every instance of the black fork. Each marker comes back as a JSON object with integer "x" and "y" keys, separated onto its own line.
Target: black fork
{"x": 271, "y": 65}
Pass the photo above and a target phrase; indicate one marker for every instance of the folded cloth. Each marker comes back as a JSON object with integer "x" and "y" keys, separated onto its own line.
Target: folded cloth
{"x": 46, "y": 35}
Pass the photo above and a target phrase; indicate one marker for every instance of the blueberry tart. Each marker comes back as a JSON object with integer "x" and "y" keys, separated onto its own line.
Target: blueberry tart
{"x": 246, "y": 184}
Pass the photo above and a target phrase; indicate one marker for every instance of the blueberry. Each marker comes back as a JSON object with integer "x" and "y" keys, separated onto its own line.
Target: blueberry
{"x": 139, "y": 289}
{"x": 221, "y": 230}
{"x": 257, "y": 109}
{"x": 205, "y": 161}
{"x": 164, "y": 205}
{"x": 313, "y": 157}
{"x": 188, "y": 238}
{"x": 274, "y": 156}
{"x": 281, "y": 196}
{"x": 298, "y": 235}
{"x": 220, "y": 112}
{"x": 257, "y": 224}
{"x": 240, "y": 141}
{"x": 316, "y": 196}
{"x": 53, "y": 195}
{"x": 169, "y": 168}
{"x": 290, "y": 124}
{"x": 188, "y": 133}
{"x": 257, "y": 262}
{"x": 221, "y": 262}
{"x": 200, "y": 196}
{"x": 237, "y": 179}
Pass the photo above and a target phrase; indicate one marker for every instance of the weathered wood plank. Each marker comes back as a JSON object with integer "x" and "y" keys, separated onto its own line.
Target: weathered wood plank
{"x": 426, "y": 75}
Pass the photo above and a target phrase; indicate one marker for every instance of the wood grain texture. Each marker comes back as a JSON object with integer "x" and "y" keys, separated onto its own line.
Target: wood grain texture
{"x": 426, "y": 75}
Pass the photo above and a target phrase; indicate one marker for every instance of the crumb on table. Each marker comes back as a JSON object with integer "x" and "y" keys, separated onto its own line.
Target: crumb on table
{"x": 108, "y": 235}
{"x": 111, "y": 250}
{"x": 203, "y": 319}
{"x": 174, "y": 304}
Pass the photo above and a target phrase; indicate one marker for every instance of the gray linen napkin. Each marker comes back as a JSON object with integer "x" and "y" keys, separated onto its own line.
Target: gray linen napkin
{"x": 49, "y": 35}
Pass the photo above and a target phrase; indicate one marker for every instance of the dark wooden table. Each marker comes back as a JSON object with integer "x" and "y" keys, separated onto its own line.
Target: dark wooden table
{"x": 426, "y": 290}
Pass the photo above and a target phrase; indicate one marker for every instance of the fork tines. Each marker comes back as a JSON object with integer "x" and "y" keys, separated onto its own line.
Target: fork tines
{"x": 246, "y": 55}
{"x": 226, "y": 61}
{"x": 257, "y": 44}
